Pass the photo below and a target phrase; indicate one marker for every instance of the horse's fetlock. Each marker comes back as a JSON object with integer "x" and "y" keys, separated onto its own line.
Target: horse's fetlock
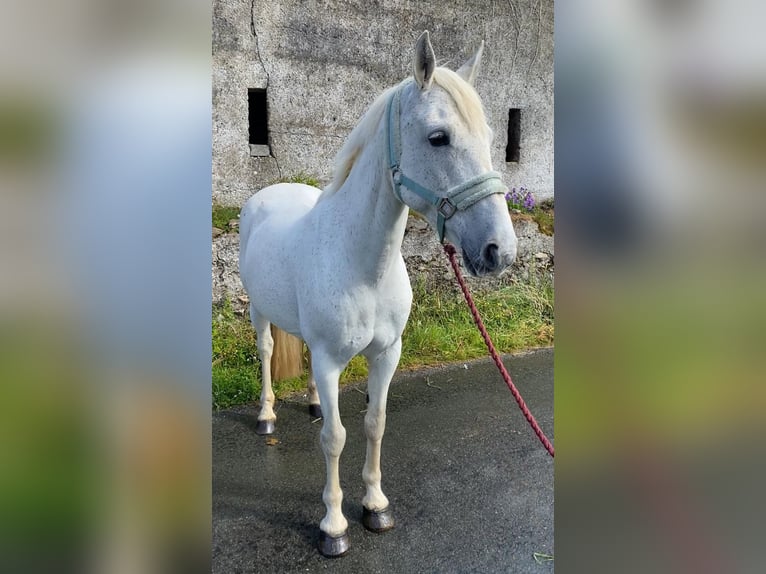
{"x": 332, "y": 497}
{"x": 371, "y": 477}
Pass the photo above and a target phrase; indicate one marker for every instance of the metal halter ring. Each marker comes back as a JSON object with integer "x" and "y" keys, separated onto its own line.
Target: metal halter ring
{"x": 446, "y": 207}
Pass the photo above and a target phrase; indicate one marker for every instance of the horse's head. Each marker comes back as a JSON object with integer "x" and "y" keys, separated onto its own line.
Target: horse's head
{"x": 440, "y": 161}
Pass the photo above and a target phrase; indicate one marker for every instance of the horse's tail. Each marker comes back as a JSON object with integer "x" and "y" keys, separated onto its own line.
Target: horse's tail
{"x": 287, "y": 357}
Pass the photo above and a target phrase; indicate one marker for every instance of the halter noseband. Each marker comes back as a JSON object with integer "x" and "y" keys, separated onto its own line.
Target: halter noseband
{"x": 457, "y": 198}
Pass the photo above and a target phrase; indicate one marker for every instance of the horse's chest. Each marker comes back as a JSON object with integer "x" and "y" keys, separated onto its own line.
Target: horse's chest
{"x": 366, "y": 317}
{"x": 377, "y": 310}
{"x": 376, "y": 326}
{"x": 392, "y": 308}
{"x": 356, "y": 314}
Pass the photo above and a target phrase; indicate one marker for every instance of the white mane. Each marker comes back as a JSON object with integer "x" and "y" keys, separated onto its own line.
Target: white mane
{"x": 462, "y": 93}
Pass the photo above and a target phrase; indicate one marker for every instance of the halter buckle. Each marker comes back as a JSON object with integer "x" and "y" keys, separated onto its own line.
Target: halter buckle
{"x": 446, "y": 207}
{"x": 396, "y": 175}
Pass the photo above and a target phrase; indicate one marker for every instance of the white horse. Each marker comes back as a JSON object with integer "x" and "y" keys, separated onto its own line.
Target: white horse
{"x": 326, "y": 266}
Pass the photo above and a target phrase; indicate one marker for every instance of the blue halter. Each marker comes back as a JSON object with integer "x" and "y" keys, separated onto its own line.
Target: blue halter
{"x": 457, "y": 198}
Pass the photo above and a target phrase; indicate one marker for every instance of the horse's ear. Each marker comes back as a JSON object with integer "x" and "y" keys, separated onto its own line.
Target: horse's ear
{"x": 469, "y": 70}
{"x": 425, "y": 61}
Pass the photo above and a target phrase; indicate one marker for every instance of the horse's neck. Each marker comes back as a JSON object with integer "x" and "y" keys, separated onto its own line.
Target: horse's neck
{"x": 373, "y": 220}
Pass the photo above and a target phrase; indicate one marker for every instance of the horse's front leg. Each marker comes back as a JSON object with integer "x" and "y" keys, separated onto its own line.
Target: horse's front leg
{"x": 376, "y": 514}
{"x": 333, "y": 529}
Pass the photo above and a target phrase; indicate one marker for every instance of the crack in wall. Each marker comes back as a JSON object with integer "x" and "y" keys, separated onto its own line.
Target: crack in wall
{"x": 268, "y": 80}
{"x": 537, "y": 38}
{"x": 522, "y": 28}
{"x": 276, "y": 161}
{"x": 257, "y": 44}
{"x": 517, "y": 28}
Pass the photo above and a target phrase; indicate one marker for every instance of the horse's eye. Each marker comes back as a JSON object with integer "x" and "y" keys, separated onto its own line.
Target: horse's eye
{"x": 438, "y": 139}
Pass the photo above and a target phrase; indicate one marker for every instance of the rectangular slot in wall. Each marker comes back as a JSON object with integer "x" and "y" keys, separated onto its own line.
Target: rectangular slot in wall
{"x": 514, "y": 135}
{"x": 258, "y": 119}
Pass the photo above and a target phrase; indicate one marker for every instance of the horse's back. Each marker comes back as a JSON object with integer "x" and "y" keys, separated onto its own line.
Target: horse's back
{"x": 281, "y": 203}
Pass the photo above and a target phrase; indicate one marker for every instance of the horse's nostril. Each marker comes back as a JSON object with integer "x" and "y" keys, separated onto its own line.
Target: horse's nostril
{"x": 491, "y": 256}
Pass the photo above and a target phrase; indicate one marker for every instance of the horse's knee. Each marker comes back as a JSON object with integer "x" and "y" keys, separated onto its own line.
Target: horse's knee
{"x": 375, "y": 424}
{"x": 332, "y": 438}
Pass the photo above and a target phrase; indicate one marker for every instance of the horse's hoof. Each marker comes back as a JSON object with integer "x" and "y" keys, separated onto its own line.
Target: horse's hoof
{"x": 315, "y": 411}
{"x": 377, "y": 520}
{"x": 333, "y": 547}
{"x": 264, "y": 427}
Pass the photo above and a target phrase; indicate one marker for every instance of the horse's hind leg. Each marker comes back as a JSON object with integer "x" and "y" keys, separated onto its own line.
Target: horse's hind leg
{"x": 376, "y": 515}
{"x": 314, "y": 409}
{"x": 266, "y": 418}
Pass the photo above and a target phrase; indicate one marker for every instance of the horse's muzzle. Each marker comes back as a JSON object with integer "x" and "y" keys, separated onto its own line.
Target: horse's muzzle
{"x": 491, "y": 260}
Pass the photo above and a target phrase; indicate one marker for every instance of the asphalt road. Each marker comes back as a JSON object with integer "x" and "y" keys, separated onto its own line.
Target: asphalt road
{"x": 470, "y": 486}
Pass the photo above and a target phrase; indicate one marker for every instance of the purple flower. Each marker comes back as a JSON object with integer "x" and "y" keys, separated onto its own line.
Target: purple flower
{"x": 529, "y": 201}
{"x": 520, "y": 198}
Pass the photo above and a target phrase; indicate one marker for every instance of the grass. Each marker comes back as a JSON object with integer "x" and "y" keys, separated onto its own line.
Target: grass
{"x": 236, "y": 372}
{"x": 299, "y": 178}
{"x": 543, "y": 216}
{"x": 222, "y": 215}
{"x": 440, "y": 330}
{"x": 234, "y": 364}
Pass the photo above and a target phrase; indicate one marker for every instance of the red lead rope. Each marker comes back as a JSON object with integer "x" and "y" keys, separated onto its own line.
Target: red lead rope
{"x": 450, "y": 251}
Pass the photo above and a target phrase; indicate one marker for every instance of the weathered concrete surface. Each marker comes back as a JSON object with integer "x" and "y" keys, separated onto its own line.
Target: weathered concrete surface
{"x": 323, "y": 63}
{"x": 226, "y": 281}
{"x": 423, "y": 256}
{"x": 470, "y": 485}
{"x": 426, "y": 261}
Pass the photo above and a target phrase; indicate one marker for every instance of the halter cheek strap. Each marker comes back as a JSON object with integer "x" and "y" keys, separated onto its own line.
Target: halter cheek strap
{"x": 455, "y": 199}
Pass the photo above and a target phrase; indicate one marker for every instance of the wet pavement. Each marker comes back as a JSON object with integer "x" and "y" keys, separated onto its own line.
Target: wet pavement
{"x": 470, "y": 486}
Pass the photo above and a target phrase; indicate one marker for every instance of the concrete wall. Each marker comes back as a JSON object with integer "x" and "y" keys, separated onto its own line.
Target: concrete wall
{"x": 324, "y": 61}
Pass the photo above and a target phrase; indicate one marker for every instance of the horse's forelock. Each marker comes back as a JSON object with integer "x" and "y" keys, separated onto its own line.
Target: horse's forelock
{"x": 462, "y": 93}
{"x": 465, "y": 97}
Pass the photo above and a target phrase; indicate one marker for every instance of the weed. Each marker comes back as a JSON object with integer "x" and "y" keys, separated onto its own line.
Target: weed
{"x": 543, "y": 216}
{"x": 222, "y": 215}
{"x": 299, "y": 178}
{"x": 541, "y": 557}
